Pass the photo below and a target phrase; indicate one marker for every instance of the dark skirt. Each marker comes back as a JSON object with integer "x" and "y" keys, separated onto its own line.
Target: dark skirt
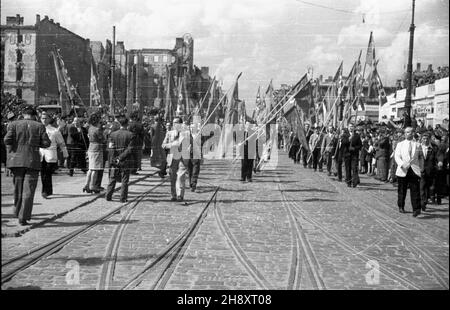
{"x": 293, "y": 151}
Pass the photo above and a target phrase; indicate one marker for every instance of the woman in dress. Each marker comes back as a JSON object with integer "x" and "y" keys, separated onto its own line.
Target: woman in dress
{"x": 95, "y": 154}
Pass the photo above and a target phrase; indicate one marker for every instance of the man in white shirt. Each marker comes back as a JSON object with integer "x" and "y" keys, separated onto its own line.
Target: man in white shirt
{"x": 176, "y": 163}
{"x": 49, "y": 156}
{"x": 409, "y": 159}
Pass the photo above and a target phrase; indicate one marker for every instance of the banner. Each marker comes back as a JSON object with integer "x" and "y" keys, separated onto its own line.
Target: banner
{"x": 370, "y": 55}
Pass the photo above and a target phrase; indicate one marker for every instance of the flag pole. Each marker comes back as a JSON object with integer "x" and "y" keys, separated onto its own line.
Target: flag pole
{"x": 221, "y": 99}
{"x": 111, "y": 91}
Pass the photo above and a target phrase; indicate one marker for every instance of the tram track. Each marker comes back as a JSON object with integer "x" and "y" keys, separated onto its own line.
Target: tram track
{"x": 302, "y": 253}
{"x": 386, "y": 204}
{"x": 343, "y": 244}
{"x": 33, "y": 256}
{"x": 67, "y": 212}
{"x": 168, "y": 258}
{"x": 428, "y": 262}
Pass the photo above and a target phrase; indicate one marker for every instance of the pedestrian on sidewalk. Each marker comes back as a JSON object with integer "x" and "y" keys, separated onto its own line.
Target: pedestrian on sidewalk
{"x": 95, "y": 154}
{"x": 121, "y": 144}
{"x": 176, "y": 163}
{"x": 23, "y": 140}
{"x": 409, "y": 159}
{"x": 49, "y": 156}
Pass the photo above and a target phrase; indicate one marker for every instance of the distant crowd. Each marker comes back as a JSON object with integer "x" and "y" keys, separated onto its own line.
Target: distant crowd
{"x": 374, "y": 150}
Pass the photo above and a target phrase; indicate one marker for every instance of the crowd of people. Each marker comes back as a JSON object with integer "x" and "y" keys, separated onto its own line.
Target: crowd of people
{"x": 380, "y": 152}
{"x": 36, "y": 142}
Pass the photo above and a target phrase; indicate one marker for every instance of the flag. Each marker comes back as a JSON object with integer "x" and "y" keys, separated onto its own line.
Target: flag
{"x": 168, "y": 113}
{"x": 211, "y": 97}
{"x": 65, "y": 83}
{"x": 301, "y": 130}
{"x": 268, "y": 115}
{"x": 375, "y": 80}
{"x": 370, "y": 56}
{"x": 65, "y": 107}
{"x": 338, "y": 76}
{"x": 231, "y": 116}
{"x": 95, "y": 94}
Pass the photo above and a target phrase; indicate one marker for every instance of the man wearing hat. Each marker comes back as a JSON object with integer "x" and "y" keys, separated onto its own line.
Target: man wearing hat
{"x": 23, "y": 140}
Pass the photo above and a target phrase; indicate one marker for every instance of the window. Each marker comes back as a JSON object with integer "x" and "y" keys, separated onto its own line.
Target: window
{"x": 146, "y": 59}
{"x": 156, "y": 58}
{"x": 165, "y": 58}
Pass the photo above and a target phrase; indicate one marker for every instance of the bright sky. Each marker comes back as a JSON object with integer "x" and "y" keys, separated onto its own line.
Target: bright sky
{"x": 265, "y": 39}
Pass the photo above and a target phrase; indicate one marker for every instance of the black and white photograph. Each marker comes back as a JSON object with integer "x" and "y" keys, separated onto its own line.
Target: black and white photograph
{"x": 225, "y": 150}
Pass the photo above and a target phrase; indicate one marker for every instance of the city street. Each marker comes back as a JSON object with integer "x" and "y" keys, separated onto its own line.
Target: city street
{"x": 289, "y": 229}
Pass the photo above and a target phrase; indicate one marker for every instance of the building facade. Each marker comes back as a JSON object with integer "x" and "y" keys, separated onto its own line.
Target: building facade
{"x": 430, "y": 103}
{"x": 29, "y": 70}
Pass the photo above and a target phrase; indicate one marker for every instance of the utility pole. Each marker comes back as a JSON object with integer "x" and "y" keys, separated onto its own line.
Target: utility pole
{"x": 409, "y": 70}
{"x": 113, "y": 62}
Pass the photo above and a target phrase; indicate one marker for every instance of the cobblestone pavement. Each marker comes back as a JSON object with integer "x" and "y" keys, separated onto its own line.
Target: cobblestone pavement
{"x": 291, "y": 228}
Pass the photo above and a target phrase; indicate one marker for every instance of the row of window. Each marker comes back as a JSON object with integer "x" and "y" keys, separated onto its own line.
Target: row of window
{"x": 157, "y": 58}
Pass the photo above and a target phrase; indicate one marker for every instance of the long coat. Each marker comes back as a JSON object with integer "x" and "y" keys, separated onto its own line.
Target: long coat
{"x": 23, "y": 140}
{"x": 157, "y": 134}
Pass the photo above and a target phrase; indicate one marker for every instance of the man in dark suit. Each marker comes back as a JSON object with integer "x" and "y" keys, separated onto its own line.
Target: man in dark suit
{"x": 382, "y": 156}
{"x": 315, "y": 143}
{"x": 137, "y": 129}
{"x": 328, "y": 144}
{"x": 23, "y": 140}
{"x": 428, "y": 172}
{"x": 442, "y": 170}
{"x": 195, "y": 157}
{"x": 342, "y": 153}
{"x": 121, "y": 145}
{"x": 158, "y": 155}
{"x": 249, "y": 154}
{"x": 351, "y": 163}
{"x": 77, "y": 145}
{"x": 305, "y": 153}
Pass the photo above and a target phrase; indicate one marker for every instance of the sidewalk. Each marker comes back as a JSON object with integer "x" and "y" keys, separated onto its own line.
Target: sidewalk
{"x": 68, "y": 196}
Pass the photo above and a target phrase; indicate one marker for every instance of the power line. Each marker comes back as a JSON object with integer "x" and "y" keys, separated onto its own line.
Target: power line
{"x": 346, "y": 11}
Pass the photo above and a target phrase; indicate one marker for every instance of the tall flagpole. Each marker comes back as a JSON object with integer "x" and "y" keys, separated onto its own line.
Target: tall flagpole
{"x": 409, "y": 70}
{"x": 111, "y": 91}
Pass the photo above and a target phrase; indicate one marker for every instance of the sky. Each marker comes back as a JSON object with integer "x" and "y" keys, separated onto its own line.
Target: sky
{"x": 264, "y": 39}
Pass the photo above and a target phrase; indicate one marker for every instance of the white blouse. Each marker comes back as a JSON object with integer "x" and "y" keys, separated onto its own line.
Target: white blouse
{"x": 50, "y": 154}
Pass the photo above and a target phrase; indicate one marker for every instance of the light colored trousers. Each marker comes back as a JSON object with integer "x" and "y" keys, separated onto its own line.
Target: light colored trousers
{"x": 177, "y": 173}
